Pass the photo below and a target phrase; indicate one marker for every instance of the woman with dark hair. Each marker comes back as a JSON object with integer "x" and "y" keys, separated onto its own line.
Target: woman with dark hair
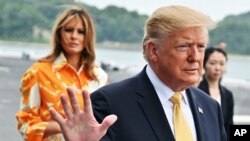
{"x": 214, "y": 65}
{"x": 71, "y": 64}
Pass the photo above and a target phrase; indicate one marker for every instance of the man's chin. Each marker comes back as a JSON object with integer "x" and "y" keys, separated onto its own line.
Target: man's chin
{"x": 192, "y": 81}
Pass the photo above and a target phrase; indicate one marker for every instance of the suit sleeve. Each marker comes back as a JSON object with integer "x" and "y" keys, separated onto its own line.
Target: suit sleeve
{"x": 101, "y": 109}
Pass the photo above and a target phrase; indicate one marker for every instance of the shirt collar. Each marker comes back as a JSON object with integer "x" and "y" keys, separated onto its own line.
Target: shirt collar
{"x": 60, "y": 62}
{"x": 163, "y": 91}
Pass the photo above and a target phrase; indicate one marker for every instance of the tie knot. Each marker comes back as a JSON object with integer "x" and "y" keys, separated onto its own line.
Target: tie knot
{"x": 176, "y": 98}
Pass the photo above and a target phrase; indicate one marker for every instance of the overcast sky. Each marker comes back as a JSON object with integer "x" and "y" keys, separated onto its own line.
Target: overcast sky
{"x": 216, "y": 9}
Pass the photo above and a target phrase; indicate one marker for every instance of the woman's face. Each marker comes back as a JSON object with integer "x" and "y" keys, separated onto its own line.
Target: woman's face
{"x": 215, "y": 66}
{"x": 73, "y": 37}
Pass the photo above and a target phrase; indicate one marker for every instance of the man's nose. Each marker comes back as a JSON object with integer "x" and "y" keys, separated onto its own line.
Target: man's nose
{"x": 194, "y": 54}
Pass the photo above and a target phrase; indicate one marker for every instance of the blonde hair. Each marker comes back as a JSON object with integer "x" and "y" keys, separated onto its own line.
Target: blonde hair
{"x": 88, "y": 54}
{"x": 169, "y": 19}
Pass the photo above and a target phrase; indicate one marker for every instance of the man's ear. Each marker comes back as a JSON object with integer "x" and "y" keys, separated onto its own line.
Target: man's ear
{"x": 152, "y": 51}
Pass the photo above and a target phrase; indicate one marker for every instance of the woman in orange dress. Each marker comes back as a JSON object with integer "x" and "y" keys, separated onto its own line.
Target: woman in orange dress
{"x": 71, "y": 64}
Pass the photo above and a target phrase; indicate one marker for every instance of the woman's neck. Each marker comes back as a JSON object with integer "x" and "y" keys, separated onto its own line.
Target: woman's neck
{"x": 74, "y": 61}
{"x": 214, "y": 88}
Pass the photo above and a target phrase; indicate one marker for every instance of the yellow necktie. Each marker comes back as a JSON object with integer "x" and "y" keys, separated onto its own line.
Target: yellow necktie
{"x": 181, "y": 128}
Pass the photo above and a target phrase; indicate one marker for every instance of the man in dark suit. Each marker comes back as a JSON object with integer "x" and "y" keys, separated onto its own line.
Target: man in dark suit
{"x": 174, "y": 42}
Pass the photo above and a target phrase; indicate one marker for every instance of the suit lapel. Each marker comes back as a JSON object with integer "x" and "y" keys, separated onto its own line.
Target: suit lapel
{"x": 152, "y": 108}
{"x": 223, "y": 100}
{"x": 197, "y": 111}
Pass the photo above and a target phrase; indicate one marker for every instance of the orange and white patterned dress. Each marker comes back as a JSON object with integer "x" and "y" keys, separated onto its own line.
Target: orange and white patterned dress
{"x": 41, "y": 87}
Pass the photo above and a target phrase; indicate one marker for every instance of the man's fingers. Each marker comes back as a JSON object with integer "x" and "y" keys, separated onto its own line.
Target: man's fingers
{"x": 107, "y": 122}
{"x": 87, "y": 102}
{"x": 56, "y": 116}
{"x": 73, "y": 101}
{"x": 66, "y": 107}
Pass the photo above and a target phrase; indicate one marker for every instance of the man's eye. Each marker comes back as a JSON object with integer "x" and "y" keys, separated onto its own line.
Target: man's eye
{"x": 201, "y": 47}
{"x": 183, "y": 47}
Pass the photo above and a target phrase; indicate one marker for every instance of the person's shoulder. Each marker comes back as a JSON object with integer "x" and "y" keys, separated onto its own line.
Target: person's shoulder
{"x": 31, "y": 72}
{"x": 116, "y": 91}
{"x": 197, "y": 90}
{"x": 126, "y": 84}
{"x": 100, "y": 73}
{"x": 203, "y": 84}
{"x": 226, "y": 90}
{"x": 200, "y": 93}
{"x": 41, "y": 64}
{"x": 227, "y": 93}
{"x": 203, "y": 98}
{"x": 37, "y": 67}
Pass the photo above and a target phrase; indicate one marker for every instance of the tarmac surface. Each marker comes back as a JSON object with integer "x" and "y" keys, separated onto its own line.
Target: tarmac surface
{"x": 12, "y": 69}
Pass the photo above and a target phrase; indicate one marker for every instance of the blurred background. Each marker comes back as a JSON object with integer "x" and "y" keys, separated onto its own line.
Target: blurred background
{"x": 25, "y": 36}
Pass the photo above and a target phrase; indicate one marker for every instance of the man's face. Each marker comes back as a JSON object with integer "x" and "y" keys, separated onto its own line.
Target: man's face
{"x": 179, "y": 60}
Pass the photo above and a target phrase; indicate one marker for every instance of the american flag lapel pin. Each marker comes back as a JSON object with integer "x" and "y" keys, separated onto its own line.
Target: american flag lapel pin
{"x": 200, "y": 110}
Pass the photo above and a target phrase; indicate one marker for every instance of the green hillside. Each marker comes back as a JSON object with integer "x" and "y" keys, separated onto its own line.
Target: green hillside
{"x": 31, "y": 21}
{"x": 234, "y": 30}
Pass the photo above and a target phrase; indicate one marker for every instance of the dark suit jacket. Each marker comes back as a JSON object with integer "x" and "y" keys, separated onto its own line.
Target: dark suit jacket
{"x": 141, "y": 116}
{"x": 227, "y": 103}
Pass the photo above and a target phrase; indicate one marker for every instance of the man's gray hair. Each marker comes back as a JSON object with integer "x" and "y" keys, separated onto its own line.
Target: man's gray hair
{"x": 169, "y": 19}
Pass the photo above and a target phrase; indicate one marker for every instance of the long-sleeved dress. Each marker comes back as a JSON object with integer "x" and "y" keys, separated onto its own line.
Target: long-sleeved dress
{"x": 41, "y": 87}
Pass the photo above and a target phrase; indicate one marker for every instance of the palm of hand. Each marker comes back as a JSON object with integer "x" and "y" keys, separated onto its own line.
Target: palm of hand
{"x": 81, "y": 125}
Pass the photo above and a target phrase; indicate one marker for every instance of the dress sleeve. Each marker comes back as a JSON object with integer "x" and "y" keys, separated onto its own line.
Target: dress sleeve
{"x": 30, "y": 124}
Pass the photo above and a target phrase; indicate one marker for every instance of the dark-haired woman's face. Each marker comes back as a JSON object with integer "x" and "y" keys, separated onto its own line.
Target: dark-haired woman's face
{"x": 215, "y": 66}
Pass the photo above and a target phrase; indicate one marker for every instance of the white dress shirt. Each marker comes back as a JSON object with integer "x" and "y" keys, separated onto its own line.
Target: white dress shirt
{"x": 164, "y": 93}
